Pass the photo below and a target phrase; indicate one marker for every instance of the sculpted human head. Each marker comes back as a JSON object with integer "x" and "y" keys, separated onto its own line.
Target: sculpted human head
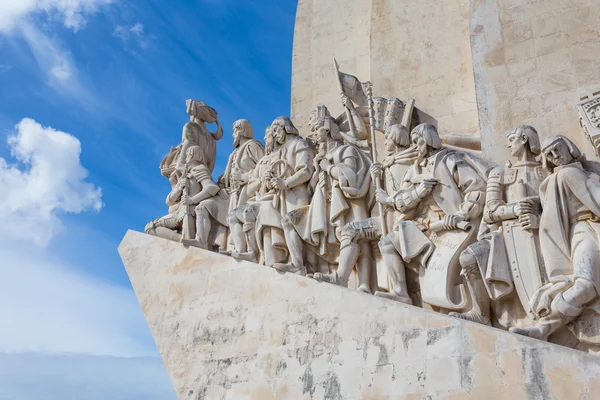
{"x": 242, "y": 128}
{"x": 194, "y": 156}
{"x": 559, "y": 150}
{"x": 396, "y": 138}
{"x": 521, "y": 139}
{"x": 269, "y": 141}
{"x": 425, "y": 139}
{"x": 326, "y": 128}
{"x": 283, "y": 126}
{"x": 317, "y": 113}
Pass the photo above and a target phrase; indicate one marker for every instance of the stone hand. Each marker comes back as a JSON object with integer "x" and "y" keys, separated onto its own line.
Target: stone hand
{"x": 426, "y": 186}
{"x": 278, "y": 183}
{"x": 237, "y": 176}
{"x": 325, "y": 164}
{"x": 346, "y": 101}
{"x": 529, "y": 221}
{"x": 186, "y": 200}
{"x": 382, "y": 197}
{"x": 317, "y": 161}
{"x": 451, "y": 221}
{"x": 524, "y": 207}
{"x": 266, "y": 176}
{"x": 375, "y": 171}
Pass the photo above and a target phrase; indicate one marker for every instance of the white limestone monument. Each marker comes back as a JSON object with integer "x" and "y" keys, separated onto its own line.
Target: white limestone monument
{"x": 424, "y": 225}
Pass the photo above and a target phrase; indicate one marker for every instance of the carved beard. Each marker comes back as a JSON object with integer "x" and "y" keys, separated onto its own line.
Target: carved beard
{"x": 236, "y": 141}
{"x": 280, "y": 139}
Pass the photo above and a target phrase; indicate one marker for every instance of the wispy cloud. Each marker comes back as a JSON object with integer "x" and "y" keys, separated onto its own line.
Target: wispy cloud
{"x": 45, "y": 180}
{"x": 129, "y": 34}
{"x": 72, "y": 13}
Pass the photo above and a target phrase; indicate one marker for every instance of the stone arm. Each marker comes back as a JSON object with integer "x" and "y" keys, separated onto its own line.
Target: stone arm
{"x": 254, "y": 153}
{"x": 349, "y": 161}
{"x": 209, "y": 188}
{"x": 254, "y": 182}
{"x": 409, "y": 195}
{"x": 496, "y": 209}
{"x": 174, "y": 196}
{"x": 304, "y": 168}
{"x": 472, "y": 185}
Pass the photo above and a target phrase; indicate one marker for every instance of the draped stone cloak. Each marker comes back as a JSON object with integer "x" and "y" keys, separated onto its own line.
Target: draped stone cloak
{"x": 335, "y": 202}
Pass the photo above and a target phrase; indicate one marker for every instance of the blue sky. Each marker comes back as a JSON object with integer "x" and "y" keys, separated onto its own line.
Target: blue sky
{"x": 92, "y": 96}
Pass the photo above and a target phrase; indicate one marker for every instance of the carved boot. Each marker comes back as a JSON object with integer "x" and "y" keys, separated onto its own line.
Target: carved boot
{"x": 245, "y": 256}
{"x": 291, "y": 268}
{"x": 194, "y": 243}
{"x": 480, "y": 311}
{"x": 560, "y": 315}
{"x": 395, "y": 297}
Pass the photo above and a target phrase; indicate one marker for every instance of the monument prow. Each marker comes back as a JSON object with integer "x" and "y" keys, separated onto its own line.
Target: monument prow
{"x": 229, "y": 329}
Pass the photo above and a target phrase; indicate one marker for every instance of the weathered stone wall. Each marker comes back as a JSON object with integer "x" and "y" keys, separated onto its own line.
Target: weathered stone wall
{"x": 532, "y": 60}
{"x": 476, "y": 67}
{"x": 237, "y": 330}
{"x": 421, "y": 49}
{"x": 324, "y": 29}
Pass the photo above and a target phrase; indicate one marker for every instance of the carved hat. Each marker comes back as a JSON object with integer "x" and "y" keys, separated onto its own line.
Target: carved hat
{"x": 399, "y": 135}
{"x": 246, "y": 127}
{"x": 202, "y": 111}
{"x": 196, "y": 154}
{"x": 532, "y": 137}
{"x": 429, "y": 133}
{"x": 573, "y": 149}
{"x": 287, "y": 124}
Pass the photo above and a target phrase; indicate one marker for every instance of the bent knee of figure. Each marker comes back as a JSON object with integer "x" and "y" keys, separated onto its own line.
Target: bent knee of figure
{"x": 586, "y": 287}
{"x": 232, "y": 218}
{"x": 350, "y": 233}
{"x": 467, "y": 258}
{"x": 201, "y": 210}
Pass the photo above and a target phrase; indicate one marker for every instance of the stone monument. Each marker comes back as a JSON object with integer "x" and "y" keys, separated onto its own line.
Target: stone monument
{"x": 444, "y": 243}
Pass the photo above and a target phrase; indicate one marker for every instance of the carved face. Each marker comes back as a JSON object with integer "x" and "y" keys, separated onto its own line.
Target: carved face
{"x": 420, "y": 145}
{"x": 322, "y": 134}
{"x": 389, "y": 144}
{"x": 268, "y": 141}
{"x": 279, "y": 133}
{"x": 517, "y": 144}
{"x": 558, "y": 154}
{"x": 237, "y": 134}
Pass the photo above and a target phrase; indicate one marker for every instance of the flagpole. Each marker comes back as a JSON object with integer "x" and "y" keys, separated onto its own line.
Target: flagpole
{"x": 384, "y": 230}
{"x": 340, "y": 85}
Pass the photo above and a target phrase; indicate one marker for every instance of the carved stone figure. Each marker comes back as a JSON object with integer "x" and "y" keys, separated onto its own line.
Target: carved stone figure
{"x": 341, "y": 185}
{"x": 192, "y": 187}
{"x": 393, "y": 166}
{"x": 441, "y": 195}
{"x": 505, "y": 268}
{"x": 240, "y": 165}
{"x": 195, "y": 133}
{"x": 287, "y": 173}
{"x": 569, "y": 238}
{"x": 242, "y": 221}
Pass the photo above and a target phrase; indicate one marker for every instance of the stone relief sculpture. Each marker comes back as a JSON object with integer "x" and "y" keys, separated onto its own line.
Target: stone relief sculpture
{"x": 569, "y": 238}
{"x": 341, "y": 185}
{"x": 287, "y": 175}
{"x": 441, "y": 198}
{"x": 505, "y": 267}
{"x": 430, "y": 224}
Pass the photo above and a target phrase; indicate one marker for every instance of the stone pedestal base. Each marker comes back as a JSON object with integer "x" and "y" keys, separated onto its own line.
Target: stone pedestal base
{"x": 238, "y": 330}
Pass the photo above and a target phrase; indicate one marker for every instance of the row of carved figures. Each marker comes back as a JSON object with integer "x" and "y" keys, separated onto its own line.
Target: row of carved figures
{"x": 514, "y": 246}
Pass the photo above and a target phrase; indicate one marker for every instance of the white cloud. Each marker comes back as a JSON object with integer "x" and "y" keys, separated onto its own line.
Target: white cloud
{"x": 129, "y": 33}
{"x": 50, "y": 308}
{"x": 71, "y": 13}
{"x": 46, "y": 180}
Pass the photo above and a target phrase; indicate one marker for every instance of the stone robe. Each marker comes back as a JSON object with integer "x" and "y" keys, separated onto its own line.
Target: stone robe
{"x": 460, "y": 190}
{"x": 292, "y": 156}
{"x": 335, "y": 202}
{"x": 244, "y": 158}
